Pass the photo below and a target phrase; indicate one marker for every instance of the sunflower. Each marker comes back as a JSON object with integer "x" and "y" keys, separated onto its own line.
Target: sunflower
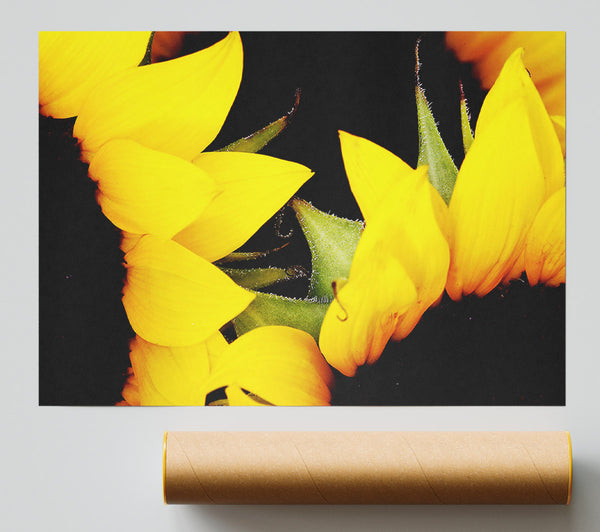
{"x": 517, "y": 150}
{"x": 143, "y": 129}
{"x": 505, "y": 215}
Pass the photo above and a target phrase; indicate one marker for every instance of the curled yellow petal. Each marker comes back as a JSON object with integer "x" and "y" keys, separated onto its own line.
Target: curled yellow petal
{"x": 371, "y": 171}
{"x": 252, "y": 188}
{"x": 416, "y": 240}
{"x": 401, "y": 262}
{"x": 177, "y": 106}
{"x": 176, "y": 298}
{"x": 72, "y": 63}
{"x": 545, "y": 247}
{"x": 279, "y": 364}
{"x": 146, "y": 191}
{"x": 545, "y": 58}
{"x": 364, "y": 315}
{"x": 500, "y": 186}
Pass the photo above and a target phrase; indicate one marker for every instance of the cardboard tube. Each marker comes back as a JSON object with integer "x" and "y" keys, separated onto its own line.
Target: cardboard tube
{"x": 367, "y": 467}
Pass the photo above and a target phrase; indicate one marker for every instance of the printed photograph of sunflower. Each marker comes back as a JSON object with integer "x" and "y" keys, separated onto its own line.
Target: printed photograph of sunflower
{"x": 302, "y": 218}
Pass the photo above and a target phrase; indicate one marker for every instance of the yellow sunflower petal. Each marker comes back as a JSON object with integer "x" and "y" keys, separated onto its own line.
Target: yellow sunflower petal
{"x": 516, "y": 271}
{"x": 499, "y": 188}
{"x": 129, "y": 241}
{"x": 559, "y": 123}
{"x": 398, "y": 271}
{"x": 177, "y": 106}
{"x": 554, "y": 97}
{"x": 146, "y": 191}
{"x": 545, "y": 59}
{"x": 545, "y": 248}
{"x": 170, "y": 375}
{"x": 216, "y": 345}
{"x": 279, "y": 364}
{"x": 176, "y": 298}
{"x": 253, "y": 187}
{"x": 416, "y": 241}
{"x": 361, "y": 319}
{"x": 72, "y": 62}
{"x": 440, "y": 210}
{"x": 514, "y": 84}
{"x": 371, "y": 170}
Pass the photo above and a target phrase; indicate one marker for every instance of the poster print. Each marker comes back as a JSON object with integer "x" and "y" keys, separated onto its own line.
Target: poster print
{"x": 302, "y": 218}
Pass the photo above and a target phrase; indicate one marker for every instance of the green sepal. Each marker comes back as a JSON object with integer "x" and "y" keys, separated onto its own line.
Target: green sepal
{"x": 432, "y": 150}
{"x": 147, "y": 59}
{"x": 255, "y": 278}
{"x": 332, "y": 241}
{"x": 259, "y": 139}
{"x": 242, "y": 256}
{"x": 270, "y": 309}
{"x": 465, "y": 122}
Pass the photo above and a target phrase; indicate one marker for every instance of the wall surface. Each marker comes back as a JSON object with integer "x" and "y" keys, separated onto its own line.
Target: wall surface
{"x": 98, "y": 469}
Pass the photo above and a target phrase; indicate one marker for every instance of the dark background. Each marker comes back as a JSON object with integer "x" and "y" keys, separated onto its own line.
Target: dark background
{"x": 504, "y": 349}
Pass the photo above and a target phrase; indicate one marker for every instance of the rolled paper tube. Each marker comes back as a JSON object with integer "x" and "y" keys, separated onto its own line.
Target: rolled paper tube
{"x": 367, "y": 467}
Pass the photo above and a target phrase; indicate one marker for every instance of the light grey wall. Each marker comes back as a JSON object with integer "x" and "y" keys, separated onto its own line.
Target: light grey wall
{"x": 99, "y": 469}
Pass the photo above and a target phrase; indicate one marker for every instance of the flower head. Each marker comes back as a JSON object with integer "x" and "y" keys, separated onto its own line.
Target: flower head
{"x": 413, "y": 245}
{"x": 143, "y": 130}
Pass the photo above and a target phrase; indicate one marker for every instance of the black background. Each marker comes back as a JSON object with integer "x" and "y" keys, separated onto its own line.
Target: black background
{"x": 504, "y": 349}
